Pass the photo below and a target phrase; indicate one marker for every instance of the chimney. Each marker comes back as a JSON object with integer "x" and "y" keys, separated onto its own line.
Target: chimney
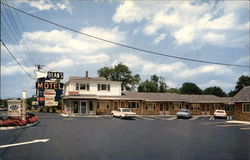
{"x": 87, "y": 74}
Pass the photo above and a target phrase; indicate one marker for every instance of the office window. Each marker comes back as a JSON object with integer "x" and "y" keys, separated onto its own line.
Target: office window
{"x": 195, "y": 107}
{"x": 246, "y": 107}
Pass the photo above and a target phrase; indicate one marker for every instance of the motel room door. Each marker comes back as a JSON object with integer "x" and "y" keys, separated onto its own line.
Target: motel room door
{"x": 83, "y": 107}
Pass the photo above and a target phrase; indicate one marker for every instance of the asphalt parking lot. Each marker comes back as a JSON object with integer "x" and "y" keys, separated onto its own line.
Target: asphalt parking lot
{"x": 144, "y": 138}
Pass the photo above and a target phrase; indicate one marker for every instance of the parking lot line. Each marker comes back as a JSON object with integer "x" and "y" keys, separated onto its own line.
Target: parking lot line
{"x": 194, "y": 118}
{"x": 211, "y": 118}
{"x": 245, "y": 128}
{"x": 169, "y": 119}
{"x": 231, "y": 125}
{"x": 145, "y": 118}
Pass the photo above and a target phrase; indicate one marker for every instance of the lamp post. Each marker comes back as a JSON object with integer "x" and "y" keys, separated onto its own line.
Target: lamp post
{"x": 24, "y": 96}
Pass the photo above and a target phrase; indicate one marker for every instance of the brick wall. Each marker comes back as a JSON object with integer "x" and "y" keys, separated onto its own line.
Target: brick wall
{"x": 239, "y": 115}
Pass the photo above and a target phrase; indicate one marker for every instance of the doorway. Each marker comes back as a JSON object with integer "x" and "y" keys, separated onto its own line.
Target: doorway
{"x": 83, "y": 107}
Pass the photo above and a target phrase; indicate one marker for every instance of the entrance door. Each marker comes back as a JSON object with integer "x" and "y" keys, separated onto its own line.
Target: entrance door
{"x": 83, "y": 107}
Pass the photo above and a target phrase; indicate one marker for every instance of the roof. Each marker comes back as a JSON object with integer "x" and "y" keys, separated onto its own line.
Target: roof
{"x": 243, "y": 95}
{"x": 90, "y": 79}
{"x": 160, "y": 97}
{"x": 152, "y": 96}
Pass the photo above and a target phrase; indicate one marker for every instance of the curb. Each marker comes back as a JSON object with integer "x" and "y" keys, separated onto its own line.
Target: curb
{"x": 18, "y": 127}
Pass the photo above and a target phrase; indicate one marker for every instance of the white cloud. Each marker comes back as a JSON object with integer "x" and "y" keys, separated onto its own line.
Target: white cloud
{"x": 243, "y": 60}
{"x": 45, "y": 5}
{"x": 12, "y": 69}
{"x": 212, "y": 69}
{"x": 177, "y": 69}
{"x": 186, "y": 21}
{"x": 159, "y": 38}
{"x": 213, "y": 83}
{"x": 65, "y": 42}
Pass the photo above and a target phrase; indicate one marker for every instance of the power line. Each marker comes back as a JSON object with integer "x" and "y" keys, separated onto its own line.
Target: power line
{"x": 124, "y": 45}
{"x": 17, "y": 61}
{"x": 12, "y": 30}
{"x": 15, "y": 27}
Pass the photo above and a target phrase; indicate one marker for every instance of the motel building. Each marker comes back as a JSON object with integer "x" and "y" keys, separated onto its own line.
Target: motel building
{"x": 98, "y": 96}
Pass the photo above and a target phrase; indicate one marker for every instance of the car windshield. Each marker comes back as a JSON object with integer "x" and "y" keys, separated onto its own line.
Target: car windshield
{"x": 184, "y": 110}
{"x": 126, "y": 110}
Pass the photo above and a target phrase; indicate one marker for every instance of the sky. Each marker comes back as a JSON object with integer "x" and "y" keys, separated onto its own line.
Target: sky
{"x": 215, "y": 31}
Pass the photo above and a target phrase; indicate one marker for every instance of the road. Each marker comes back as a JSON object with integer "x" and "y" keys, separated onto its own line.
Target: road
{"x": 145, "y": 138}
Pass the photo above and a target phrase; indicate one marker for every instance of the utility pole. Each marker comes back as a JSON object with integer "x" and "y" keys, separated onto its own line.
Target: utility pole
{"x": 24, "y": 96}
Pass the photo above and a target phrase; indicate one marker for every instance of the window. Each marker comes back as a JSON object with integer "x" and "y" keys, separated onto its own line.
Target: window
{"x": 103, "y": 104}
{"x": 177, "y": 106}
{"x": 133, "y": 104}
{"x": 150, "y": 106}
{"x": 246, "y": 107}
{"x": 103, "y": 87}
{"x": 77, "y": 86}
{"x": 195, "y": 107}
{"x": 82, "y": 86}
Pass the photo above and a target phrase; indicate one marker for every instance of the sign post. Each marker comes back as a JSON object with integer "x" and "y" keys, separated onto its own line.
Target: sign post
{"x": 24, "y": 96}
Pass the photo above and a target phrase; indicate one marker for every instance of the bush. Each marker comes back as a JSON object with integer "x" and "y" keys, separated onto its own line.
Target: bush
{"x": 17, "y": 121}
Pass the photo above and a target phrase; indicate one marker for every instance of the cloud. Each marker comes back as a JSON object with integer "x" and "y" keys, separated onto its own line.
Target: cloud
{"x": 65, "y": 42}
{"x": 45, "y": 5}
{"x": 159, "y": 38}
{"x": 177, "y": 69}
{"x": 213, "y": 83}
{"x": 187, "y": 21}
{"x": 206, "y": 69}
{"x": 13, "y": 69}
{"x": 243, "y": 60}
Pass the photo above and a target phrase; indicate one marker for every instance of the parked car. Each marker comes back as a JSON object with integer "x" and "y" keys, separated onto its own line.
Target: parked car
{"x": 123, "y": 113}
{"x": 184, "y": 113}
{"x": 220, "y": 114}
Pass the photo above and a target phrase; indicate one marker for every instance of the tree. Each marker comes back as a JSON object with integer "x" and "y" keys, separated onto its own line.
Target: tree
{"x": 242, "y": 81}
{"x": 217, "y": 91}
{"x": 122, "y": 74}
{"x": 155, "y": 84}
{"x": 173, "y": 90}
{"x": 190, "y": 88}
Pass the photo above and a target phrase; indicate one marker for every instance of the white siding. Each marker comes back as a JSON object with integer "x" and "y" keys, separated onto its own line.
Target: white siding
{"x": 115, "y": 89}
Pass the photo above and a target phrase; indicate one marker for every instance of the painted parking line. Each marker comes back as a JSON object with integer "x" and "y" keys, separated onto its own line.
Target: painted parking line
{"x": 169, "y": 119}
{"x": 146, "y": 118}
{"x": 229, "y": 117}
{"x": 231, "y": 125}
{"x": 24, "y": 143}
{"x": 245, "y": 128}
{"x": 211, "y": 118}
{"x": 194, "y": 118}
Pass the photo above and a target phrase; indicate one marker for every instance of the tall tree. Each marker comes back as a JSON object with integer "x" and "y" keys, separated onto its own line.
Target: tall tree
{"x": 217, "y": 91}
{"x": 122, "y": 74}
{"x": 242, "y": 81}
{"x": 155, "y": 84}
{"x": 190, "y": 88}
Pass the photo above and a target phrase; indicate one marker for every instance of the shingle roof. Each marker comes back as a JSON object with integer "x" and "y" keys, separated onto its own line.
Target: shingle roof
{"x": 243, "y": 95}
{"x": 175, "y": 97}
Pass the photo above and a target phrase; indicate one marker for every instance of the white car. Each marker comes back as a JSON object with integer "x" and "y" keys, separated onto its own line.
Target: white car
{"x": 123, "y": 113}
{"x": 220, "y": 113}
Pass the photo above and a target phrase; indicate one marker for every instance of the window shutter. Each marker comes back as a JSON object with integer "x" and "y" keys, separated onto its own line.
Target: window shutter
{"x": 99, "y": 87}
{"x": 108, "y": 87}
{"x": 87, "y": 87}
{"x": 77, "y": 86}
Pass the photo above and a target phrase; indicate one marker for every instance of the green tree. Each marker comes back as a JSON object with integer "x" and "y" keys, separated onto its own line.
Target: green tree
{"x": 155, "y": 84}
{"x": 122, "y": 74}
{"x": 242, "y": 81}
{"x": 173, "y": 90}
{"x": 217, "y": 91}
{"x": 190, "y": 88}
